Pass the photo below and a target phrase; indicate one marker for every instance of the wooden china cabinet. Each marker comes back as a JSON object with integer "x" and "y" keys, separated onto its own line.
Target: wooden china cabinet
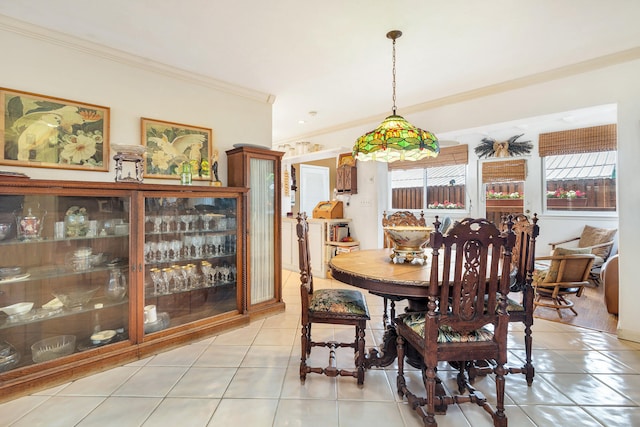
{"x": 259, "y": 170}
{"x": 94, "y": 275}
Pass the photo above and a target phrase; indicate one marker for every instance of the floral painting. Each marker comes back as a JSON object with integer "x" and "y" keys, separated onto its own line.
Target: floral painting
{"x": 42, "y": 131}
{"x": 172, "y": 145}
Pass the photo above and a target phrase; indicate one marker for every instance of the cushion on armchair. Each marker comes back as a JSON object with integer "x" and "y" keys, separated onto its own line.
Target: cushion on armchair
{"x": 548, "y": 273}
{"x": 445, "y": 333}
{"x": 595, "y": 236}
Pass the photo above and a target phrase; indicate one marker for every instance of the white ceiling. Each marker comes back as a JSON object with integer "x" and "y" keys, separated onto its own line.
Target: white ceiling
{"x": 332, "y": 56}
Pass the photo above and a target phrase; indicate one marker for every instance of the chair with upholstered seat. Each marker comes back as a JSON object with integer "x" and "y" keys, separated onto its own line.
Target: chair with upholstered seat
{"x": 332, "y": 306}
{"x": 520, "y": 277}
{"x": 522, "y": 267}
{"x": 400, "y": 218}
{"x": 567, "y": 274}
{"x": 466, "y": 266}
{"x": 601, "y": 242}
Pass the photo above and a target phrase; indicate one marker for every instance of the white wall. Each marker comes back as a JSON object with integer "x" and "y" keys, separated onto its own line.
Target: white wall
{"x": 34, "y": 60}
{"x": 615, "y": 84}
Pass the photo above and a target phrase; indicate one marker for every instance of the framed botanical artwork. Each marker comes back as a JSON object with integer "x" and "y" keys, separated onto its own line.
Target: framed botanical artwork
{"x": 170, "y": 145}
{"x": 42, "y": 131}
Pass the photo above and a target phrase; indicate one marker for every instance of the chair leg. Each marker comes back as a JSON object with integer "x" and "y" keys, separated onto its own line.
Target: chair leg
{"x": 359, "y": 357}
{"x": 529, "y": 370}
{"x": 567, "y": 303}
{"x": 499, "y": 418}
{"x": 400, "y": 381}
{"x": 304, "y": 351}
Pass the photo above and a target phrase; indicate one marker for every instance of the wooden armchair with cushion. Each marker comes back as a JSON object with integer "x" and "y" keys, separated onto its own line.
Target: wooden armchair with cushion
{"x": 567, "y": 274}
{"x": 333, "y": 306}
{"x": 399, "y": 218}
{"x": 522, "y": 267}
{"x": 457, "y": 326}
{"x": 526, "y": 231}
{"x": 601, "y": 242}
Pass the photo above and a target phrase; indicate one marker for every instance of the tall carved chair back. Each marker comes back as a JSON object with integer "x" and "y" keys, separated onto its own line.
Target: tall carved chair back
{"x": 466, "y": 277}
{"x": 392, "y": 220}
{"x": 329, "y": 306}
{"x": 522, "y": 266}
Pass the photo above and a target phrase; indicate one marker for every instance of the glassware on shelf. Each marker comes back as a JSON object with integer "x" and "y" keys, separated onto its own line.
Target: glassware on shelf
{"x": 192, "y": 275}
{"x": 186, "y": 220}
{"x": 175, "y": 248}
{"x": 29, "y": 224}
{"x": 76, "y": 221}
{"x": 156, "y": 278}
{"x": 157, "y": 222}
{"x": 183, "y": 278}
{"x": 116, "y": 287}
{"x": 168, "y": 275}
{"x": 207, "y": 280}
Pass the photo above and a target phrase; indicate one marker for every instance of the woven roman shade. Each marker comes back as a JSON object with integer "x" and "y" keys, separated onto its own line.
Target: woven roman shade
{"x": 576, "y": 141}
{"x": 504, "y": 171}
{"x": 449, "y": 156}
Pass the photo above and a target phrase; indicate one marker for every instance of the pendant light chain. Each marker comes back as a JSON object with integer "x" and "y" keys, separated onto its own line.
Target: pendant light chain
{"x": 394, "y": 77}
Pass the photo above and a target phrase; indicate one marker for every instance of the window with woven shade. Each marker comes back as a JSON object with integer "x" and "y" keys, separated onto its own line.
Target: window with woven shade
{"x": 503, "y": 183}
{"x": 431, "y": 183}
{"x": 580, "y": 168}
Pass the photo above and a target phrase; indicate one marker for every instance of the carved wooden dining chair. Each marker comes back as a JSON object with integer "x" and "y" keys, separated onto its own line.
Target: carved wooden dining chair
{"x": 520, "y": 278}
{"x": 522, "y": 267}
{"x": 333, "y": 306}
{"x": 395, "y": 219}
{"x": 466, "y": 265}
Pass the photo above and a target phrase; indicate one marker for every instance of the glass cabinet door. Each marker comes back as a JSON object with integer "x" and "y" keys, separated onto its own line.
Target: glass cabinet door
{"x": 262, "y": 220}
{"x": 190, "y": 258}
{"x": 259, "y": 170}
{"x": 64, "y": 275}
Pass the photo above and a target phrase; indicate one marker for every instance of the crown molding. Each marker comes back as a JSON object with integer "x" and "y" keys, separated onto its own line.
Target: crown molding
{"x": 70, "y": 42}
{"x": 593, "y": 64}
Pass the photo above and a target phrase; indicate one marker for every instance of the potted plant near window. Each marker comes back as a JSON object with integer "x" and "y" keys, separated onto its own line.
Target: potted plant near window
{"x": 498, "y": 199}
{"x": 566, "y": 199}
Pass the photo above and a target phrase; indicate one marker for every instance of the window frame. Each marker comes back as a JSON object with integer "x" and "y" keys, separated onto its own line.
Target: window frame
{"x": 595, "y": 139}
{"x": 425, "y": 192}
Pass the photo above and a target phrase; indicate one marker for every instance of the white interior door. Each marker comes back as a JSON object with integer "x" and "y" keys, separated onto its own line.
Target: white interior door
{"x": 314, "y": 187}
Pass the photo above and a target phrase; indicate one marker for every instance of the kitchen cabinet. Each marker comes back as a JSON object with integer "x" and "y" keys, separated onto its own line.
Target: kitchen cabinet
{"x": 93, "y": 275}
{"x": 347, "y": 179}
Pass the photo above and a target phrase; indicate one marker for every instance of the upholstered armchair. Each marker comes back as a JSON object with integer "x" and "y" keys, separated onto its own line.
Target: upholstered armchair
{"x": 601, "y": 242}
{"x": 567, "y": 274}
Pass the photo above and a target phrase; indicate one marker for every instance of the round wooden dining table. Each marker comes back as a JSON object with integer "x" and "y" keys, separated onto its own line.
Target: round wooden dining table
{"x": 375, "y": 271}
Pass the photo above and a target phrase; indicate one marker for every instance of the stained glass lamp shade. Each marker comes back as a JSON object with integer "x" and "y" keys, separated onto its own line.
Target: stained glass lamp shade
{"x": 396, "y": 139}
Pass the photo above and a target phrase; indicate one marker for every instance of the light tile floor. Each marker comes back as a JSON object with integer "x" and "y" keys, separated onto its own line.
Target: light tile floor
{"x": 249, "y": 377}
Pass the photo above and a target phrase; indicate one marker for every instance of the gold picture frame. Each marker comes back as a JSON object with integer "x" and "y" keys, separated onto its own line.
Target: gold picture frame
{"x": 170, "y": 144}
{"x": 43, "y": 131}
